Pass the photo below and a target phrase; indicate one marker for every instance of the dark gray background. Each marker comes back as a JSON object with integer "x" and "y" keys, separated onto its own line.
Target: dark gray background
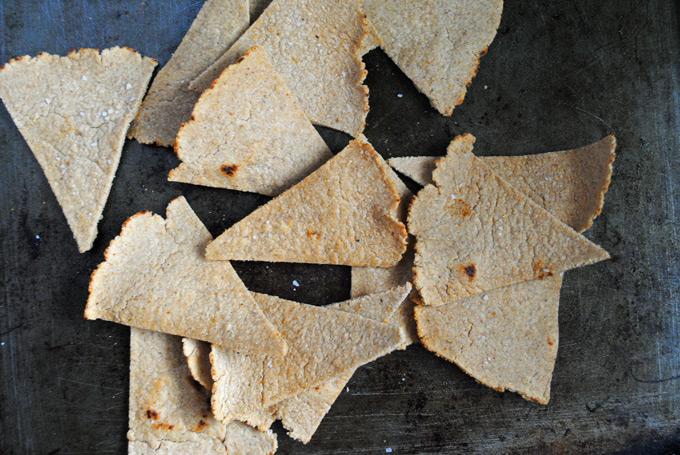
{"x": 559, "y": 75}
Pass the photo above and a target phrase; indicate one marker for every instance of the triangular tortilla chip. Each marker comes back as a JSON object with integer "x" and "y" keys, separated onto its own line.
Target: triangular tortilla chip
{"x": 314, "y": 45}
{"x": 198, "y": 359}
{"x": 506, "y": 339}
{"x": 170, "y": 414}
{"x": 436, "y": 43}
{"x": 341, "y": 214}
{"x": 73, "y": 112}
{"x": 570, "y": 184}
{"x": 169, "y": 101}
{"x": 475, "y": 232}
{"x": 259, "y": 139}
{"x": 322, "y": 343}
{"x": 155, "y": 277}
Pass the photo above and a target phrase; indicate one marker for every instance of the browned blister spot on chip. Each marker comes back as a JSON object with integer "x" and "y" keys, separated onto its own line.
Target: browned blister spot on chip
{"x": 470, "y": 270}
{"x": 151, "y": 414}
{"x": 229, "y": 169}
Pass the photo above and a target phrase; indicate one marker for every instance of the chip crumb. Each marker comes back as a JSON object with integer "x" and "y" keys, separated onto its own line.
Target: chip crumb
{"x": 84, "y": 78}
{"x": 295, "y": 283}
{"x": 388, "y": 450}
{"x": 47, "y": 100}
{"x": 128, "y": 86}
{"x": 486, "y": 297}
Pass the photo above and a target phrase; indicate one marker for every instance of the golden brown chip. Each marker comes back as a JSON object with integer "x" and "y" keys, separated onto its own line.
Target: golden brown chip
{"x": 169, "y": 101}
{"x": 248, "y": 133}
{"x": 155, "y": 277}
{"x": 342, "y": 214}
{"x": 475, "y": 233}
{"x": 73, "y": 112}
{"x": 436, "y": 43}
{"x": 315, "y": 46}
{"x": 169, "y": 414}
{"x": 570, "y": 184}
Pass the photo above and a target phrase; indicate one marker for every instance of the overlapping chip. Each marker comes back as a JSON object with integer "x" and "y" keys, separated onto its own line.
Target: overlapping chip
{"x": 248, "y": 133}
{"x": 475, "y": 233}
{"x": 74, "y": 112}
{"x": 169, "y": 101}
{"x": 170, "y": 415}
{"x": 341, "y": 214}
{"x": 155, "y": 277}
{"x": 315, "y": 45}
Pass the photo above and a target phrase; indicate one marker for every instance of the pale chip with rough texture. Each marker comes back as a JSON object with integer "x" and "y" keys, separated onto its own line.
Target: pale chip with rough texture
{"x": 436, "y": 43}
{"x": 475, "y": 232}
{"x": 155, "y": 277}
{"x": 341, "y": 214}
{"x": 322, "y": 344}
{"x": 570, "y": 184}
{"x": 73, "y": 112}
{"x": 170, "y": 415}
{"x": 198, "y": 359}
{"x": 169, "y": 101}
{"x": 315, "y": 46}
{"x": 248, "y": 133}
{"x": 506, "y": 338}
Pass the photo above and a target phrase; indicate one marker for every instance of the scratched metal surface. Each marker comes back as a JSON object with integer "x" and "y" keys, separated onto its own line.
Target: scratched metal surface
{"x": 559, "y": 75}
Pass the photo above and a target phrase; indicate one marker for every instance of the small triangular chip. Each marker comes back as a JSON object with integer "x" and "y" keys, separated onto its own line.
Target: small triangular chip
{"x": 436, "y": 43}
{"x": 505, "y": 339}
{"x": 169, "y": 101}
{"x": 73, "y": 112}
{"x": 322, "y": 344}
{"x": 475, "y": 232}
{"x": 170, "y": 415}
{"x": 315, "y": 46}
{"x": 259, "y": 139}
{"x": 155, "y": 277}
{"x": 570, "y": 184}
{"x": 341, "y": 214}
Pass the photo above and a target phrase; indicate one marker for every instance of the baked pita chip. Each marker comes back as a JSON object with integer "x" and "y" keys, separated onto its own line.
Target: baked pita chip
{"x": 475, "y": 232}
{"x": 570, "y": 184}
{"x": 73, "y": 112}
{"x": 315, "y": 46}
{"x": 169, "y": 101}
{"x": 155, "y": 277}
{"x": 248, "y": 133}
{"x": 322, "y": 344}
{"x": 198, "y": 360}
{"x": 505, "y": 339}
{"x": 436, "y": 43}
{"x": 170, "y": 414}
{"x": 341, "y": 214}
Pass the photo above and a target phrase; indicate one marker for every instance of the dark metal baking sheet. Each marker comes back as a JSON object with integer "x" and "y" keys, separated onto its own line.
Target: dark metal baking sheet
{"x": 559, "y": 75}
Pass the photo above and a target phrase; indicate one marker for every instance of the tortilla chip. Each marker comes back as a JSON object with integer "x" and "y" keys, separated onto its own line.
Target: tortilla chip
{"x": 259, "y": 140}
{"x": 155, "y": 278}
{"x": 198, "y": 360}
{"x": 436, "y": 43}
{"x": 570, "y": 184}
{"x": 475, "y": 232}
{"x": 341, "y": 214}
{"x": 506, "y": 339}
{"x": 322, "y": 344}
{"x": 371, "y": 41}
{"x": 73, "y": 112}
{"x": 169, "y": 414}
{"x": 257, "y": 7}
{"x": 169, "y": 101}
{"x": 314, "y": 45}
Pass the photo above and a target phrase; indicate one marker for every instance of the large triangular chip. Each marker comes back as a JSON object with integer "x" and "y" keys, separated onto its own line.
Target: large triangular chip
{"x": 73, "y": 112}
{"x": 248, "y": 133}
{"x": 436, "y": 43}
{"x": 170, "y": 415}
{"x": 322, "y": 344}
{"x": 169, "y": 101}
{"x": 475, "y": 232}
{"x": 155, "y": 277}
{"x": 341, "y": 214}
{"x": 505, "y": 339}
{"x": 315, "y": 46}
{"x": 570, "y": 184}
